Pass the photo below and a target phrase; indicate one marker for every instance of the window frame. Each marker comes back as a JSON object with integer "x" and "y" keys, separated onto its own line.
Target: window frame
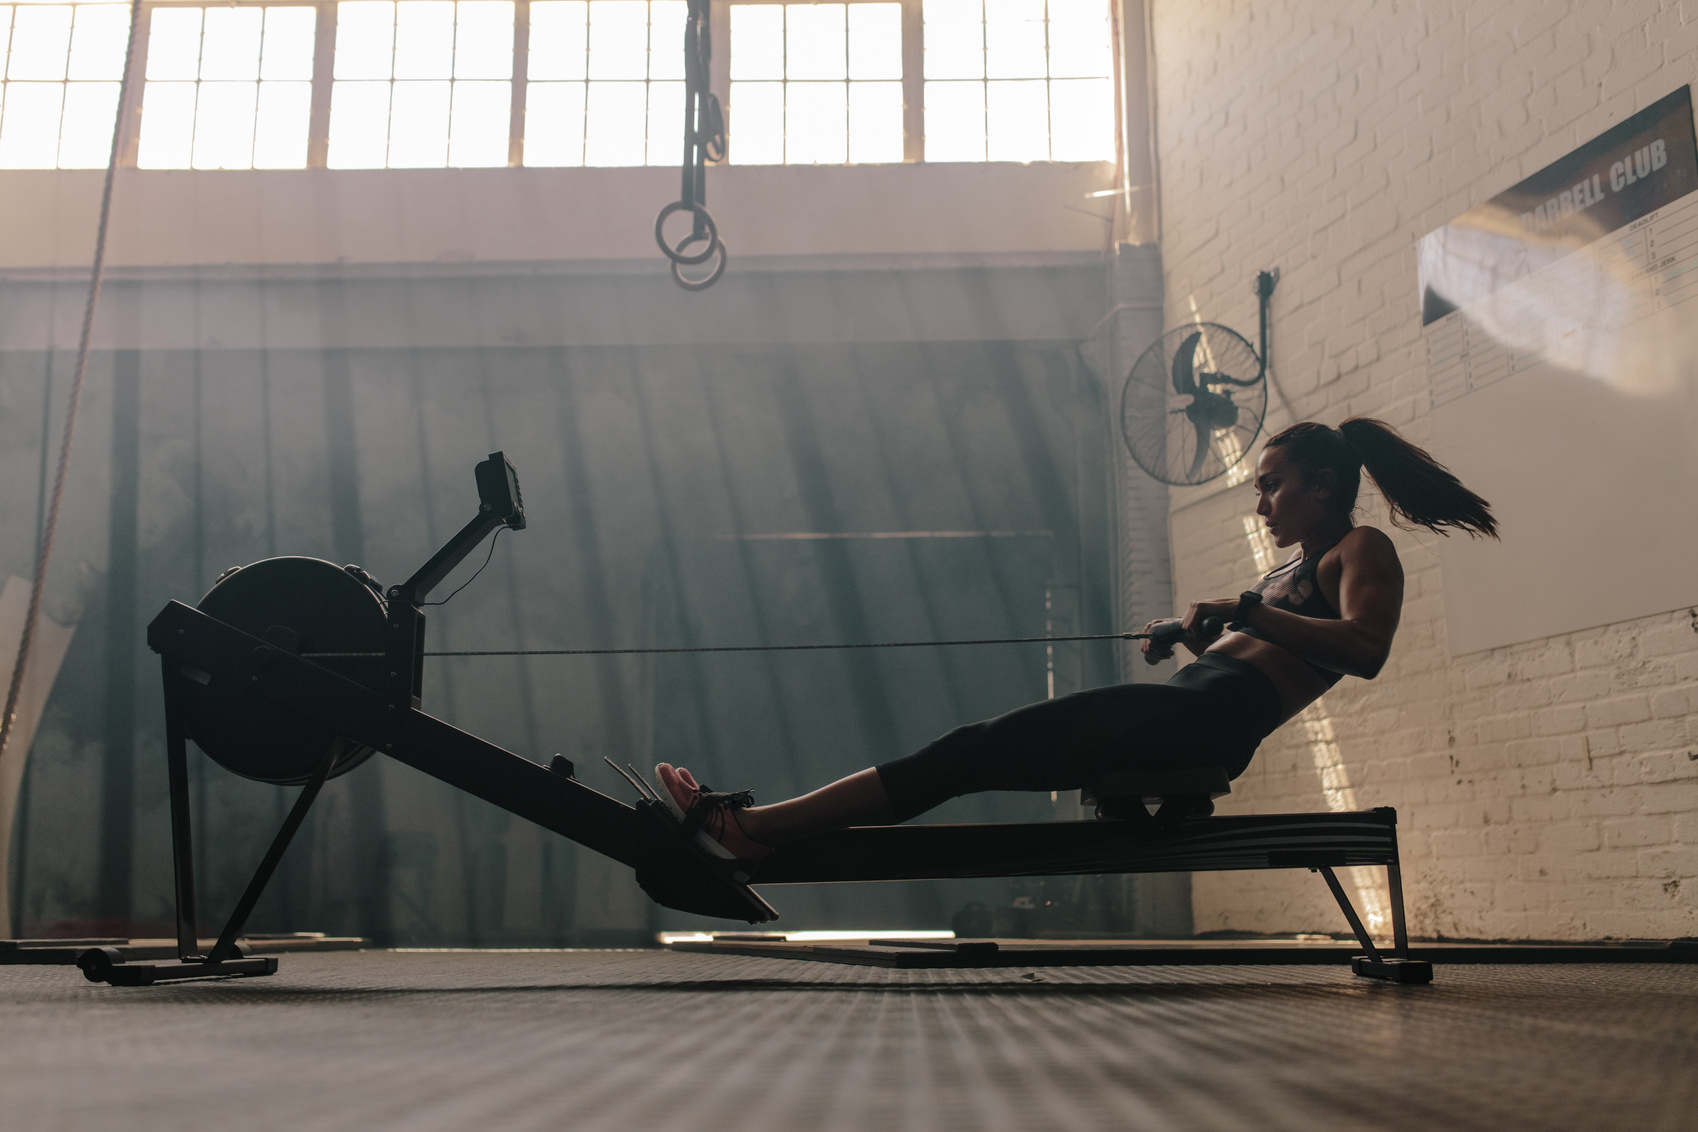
{"x": 318, "y": 137}
{"x": 63, "y": 83}
{"x": 913, "y": 60}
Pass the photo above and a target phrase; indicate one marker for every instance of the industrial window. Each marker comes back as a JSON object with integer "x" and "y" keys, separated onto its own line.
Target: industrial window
{"x": 605, "y": 82}
{"x": 815, "y": 84}
{"x": 60, "y": 97}
{"x": 1018, "y": 80}
{"x": 421, "y": 84}
{"x": 227, "y": 88}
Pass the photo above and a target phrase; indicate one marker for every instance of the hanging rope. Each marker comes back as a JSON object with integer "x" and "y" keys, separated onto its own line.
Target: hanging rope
{"x": 704, "y": 141}
{"x": 44, "y": 549}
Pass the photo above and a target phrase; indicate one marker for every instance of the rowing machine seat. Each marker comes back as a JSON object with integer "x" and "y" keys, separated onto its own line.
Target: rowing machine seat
{"x": 1180, "y": 794}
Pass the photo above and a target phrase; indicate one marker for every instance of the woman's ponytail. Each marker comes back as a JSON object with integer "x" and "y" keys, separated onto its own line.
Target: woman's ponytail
{"x": 1419, "y": 489}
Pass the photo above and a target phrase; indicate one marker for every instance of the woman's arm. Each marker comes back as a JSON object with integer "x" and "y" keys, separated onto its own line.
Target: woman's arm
{"x": 1369, "y": 602}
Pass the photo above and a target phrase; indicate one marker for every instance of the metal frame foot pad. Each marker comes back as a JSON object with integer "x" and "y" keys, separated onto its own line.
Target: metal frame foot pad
{"x": 107, "y": 965}
{"x": 1393, "y": 970}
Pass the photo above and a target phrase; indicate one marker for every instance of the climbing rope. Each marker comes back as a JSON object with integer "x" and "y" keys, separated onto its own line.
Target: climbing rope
{"x": 44, "y": 550}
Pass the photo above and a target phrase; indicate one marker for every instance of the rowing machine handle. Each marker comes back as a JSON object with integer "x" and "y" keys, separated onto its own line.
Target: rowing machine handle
{"x": 1166, "y": 634}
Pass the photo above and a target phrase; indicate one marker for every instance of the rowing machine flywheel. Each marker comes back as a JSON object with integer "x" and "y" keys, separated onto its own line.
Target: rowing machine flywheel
{"x": 299, "y": 605}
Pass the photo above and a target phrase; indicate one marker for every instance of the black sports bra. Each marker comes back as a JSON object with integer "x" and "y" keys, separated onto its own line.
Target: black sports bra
{"x": 1293, "y": 588}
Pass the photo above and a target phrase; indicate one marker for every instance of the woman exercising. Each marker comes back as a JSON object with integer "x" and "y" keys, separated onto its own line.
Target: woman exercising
{"x": 1331, "y": 611}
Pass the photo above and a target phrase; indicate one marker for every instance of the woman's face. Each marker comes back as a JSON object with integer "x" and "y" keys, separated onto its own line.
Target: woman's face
{"x": 1290, "y": 506}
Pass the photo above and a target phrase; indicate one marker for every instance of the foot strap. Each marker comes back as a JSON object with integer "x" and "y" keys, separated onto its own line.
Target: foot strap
{"x": 709, "y": 802}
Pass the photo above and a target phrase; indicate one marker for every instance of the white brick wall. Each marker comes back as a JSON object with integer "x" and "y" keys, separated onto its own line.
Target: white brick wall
{"x": 1546, "y": 790}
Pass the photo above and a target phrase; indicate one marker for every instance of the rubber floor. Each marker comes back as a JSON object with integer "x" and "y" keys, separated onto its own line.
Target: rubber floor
{"x": 648, "y": 1040}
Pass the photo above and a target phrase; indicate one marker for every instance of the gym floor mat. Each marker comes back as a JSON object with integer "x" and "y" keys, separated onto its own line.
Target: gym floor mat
{"x": 656, "y": 1040}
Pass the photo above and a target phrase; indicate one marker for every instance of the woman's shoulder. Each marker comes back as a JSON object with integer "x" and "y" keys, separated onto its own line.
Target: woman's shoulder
{"x": 1365, "y": 546}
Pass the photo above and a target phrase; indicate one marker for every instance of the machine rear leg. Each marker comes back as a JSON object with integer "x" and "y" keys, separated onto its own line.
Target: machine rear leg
{"x": 1396, "y": 969}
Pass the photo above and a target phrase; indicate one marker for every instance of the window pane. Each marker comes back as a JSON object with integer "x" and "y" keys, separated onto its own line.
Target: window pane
{"x": 365, "y": 41}
{"x": 616, "y": 121}
{"x": 359, "y": 124}
{"x": 5, "y": 33}
{"x": 1014, "y": 39}
{"x": 757, "y": 41}
{"x": 954, "y": 40}
{"x": 666, "y": 123}
{"x": 477, "y": 129}
{"x": 99, "y": 36}
{"x": 559, "y": 39}
{"x": 280, "y": 131}
{"x": 85, "y": 136}
{"x": 173, "y": 45}
{"x": 875, "y": 121}
{"x": 1081, "y": 120}
{"x": 224, "y": 122}
{"x": 666, "y": 38}
{"x": 554, "y": 123}
{"x": 1018, "y": 113}
{"x": 619, "y": 45}
{"x": 816, "y": 123}
{"x": 1075, "y": 11}
{"x": 755, "y": 129}
{"x": 815, "y": 46}
{"x": 955, "y": 121}
{"x": 483, "y": 41}
{"x": 289, "y": 35}
{"x": 875, "y": 42}
{"x": 29, "y": 126}
{"x": 41, "y": 39}
{"x": 1080, "y": 49}
{"x": 418, "y": 123}
{"x": 954, "y": 11}
{"x": 167, "y": 123}
{"x": 230, "y": 44}
{"x": 424, "y": 39}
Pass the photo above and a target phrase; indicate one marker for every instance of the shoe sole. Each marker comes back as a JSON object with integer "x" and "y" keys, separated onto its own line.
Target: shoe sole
{"x": 703, "y": 838}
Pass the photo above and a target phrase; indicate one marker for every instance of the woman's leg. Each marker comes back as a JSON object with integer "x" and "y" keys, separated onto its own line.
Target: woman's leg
{"x": 1054, "y": 745}
{"x": 859, "y": 799}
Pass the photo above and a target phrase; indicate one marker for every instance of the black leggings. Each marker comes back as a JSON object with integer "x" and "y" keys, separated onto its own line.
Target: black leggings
{"x": 1213, "y": 712}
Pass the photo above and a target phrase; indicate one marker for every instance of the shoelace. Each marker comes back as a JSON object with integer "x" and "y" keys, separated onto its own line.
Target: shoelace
{"x": 710, "y": 805}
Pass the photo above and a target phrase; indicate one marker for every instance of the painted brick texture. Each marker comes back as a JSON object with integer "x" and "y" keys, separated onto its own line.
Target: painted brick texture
{"x": 1547, "y": 790}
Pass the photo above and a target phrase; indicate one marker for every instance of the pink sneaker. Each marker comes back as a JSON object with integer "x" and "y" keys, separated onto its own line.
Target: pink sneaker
{"x": 710, "y": 816}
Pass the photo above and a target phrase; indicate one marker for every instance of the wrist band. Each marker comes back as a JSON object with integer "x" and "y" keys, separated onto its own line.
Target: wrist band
{"x": 1247, "y": 601}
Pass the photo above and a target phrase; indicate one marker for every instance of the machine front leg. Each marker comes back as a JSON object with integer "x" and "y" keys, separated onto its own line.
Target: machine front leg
{"x": 182, "y": 839}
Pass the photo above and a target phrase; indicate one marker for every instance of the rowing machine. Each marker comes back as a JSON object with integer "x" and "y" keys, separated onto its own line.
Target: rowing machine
{"x": 293, "y": 671}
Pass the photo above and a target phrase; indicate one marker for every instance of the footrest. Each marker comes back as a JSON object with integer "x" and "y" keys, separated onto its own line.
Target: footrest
{"x": 681, "y": 875}
{"x": 107, "y": 965}
{"x": 1393, "y": 970}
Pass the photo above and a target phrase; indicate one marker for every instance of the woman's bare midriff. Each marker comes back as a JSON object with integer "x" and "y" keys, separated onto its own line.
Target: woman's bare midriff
{"x": 1296, "y": 682}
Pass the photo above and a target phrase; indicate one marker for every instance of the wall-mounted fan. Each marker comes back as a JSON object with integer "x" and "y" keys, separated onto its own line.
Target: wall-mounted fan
{"x": 1194, "y": 401}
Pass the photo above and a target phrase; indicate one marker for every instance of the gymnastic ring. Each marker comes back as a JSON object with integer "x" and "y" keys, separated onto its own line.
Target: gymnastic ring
{"x": 702, "y": 216}
{"x": 701, "y": 284}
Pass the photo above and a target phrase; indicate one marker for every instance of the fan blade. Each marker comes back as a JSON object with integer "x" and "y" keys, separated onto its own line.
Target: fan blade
{"x": 1183, "y": 382}
{"x": 1227, "y": 379}
{"x": 1202, "y": 450}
